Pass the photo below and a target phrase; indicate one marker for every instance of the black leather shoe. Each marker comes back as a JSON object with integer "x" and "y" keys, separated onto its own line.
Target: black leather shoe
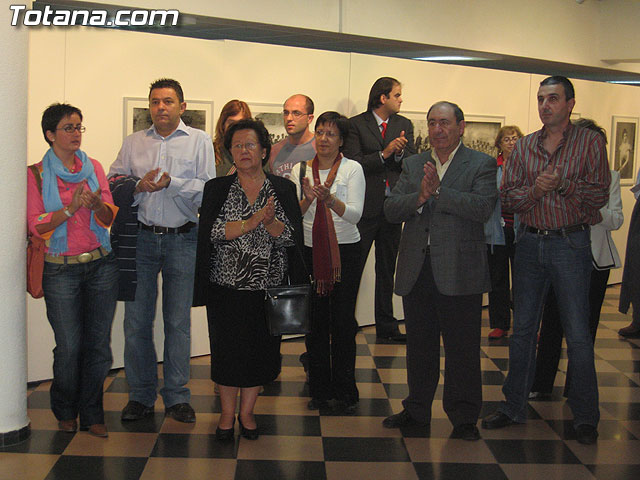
{"x": 135, "y": 411}
{"x": 586, "y": 434}
{"x": 630, "y": 331}
{"x": 393, "y": 337}
{"x": 225, "y": 434}
{"x": 496, "y": 420}
{"x": 402, "y": 419}
{"x": 181, "y": 412}
{"x": 249, "y": 434}
{"x": 466, "y": 431}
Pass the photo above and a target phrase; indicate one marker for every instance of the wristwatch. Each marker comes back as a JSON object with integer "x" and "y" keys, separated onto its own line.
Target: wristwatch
{"x": 67, "y": 212}
{"x": 436, "y": 193}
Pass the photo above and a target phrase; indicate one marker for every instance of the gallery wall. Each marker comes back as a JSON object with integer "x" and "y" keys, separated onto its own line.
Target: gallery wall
{"x": 95, "y": 69}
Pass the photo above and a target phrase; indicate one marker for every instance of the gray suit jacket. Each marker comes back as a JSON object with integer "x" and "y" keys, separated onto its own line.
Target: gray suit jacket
{"x": 455, "y": 221}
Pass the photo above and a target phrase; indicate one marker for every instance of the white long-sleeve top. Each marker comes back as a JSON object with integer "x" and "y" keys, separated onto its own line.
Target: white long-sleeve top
{"x": 348, "y": 187}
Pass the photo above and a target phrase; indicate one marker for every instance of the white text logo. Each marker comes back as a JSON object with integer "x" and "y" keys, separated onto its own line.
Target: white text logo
{"x": 95, "y": 18}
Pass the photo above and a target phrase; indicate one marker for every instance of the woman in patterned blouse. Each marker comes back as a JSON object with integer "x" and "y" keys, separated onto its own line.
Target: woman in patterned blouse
{"x": 249, "y": 224}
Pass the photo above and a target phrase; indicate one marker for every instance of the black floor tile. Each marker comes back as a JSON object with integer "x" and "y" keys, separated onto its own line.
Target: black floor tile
{"x": 622, "y": 411}
{"x": 286, "y": 389}
{"x": 458, "y": 471}
{"x": 501, "y": 363}
{"x": 279, "y": 470}
{"x": 435, "y": 425}
{"x": 193, "y": 446}
{"x": 610, "y": 472}
{"x": 150, "y": 424}
{"x": 494, "y": 342}
{"x": 50, "y": 442}
{"x": 120, "y": 385}
{"x": 390, "y": 362}
{"x": 492, "y": 377}
{"x": 626, "y": 366}
{"x": 614, "y": 379}
{"x": 531, "y": 451}
{"x": 362, "y": 349}
{"x": 367, "y": 407}
{"x": 364, "y": 450}
{"x": 367, "y": 375}
{"x": 97, "y": 468}
{"x": 607, "y": 430}
{"x": 397, "y": 390}
{"x": 289, "y": 425}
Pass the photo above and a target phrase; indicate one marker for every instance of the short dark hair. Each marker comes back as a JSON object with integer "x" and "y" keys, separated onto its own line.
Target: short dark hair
{"x": 569, "y": 91}
{"x": 381, "y": 86}
{"x": 53, "y": 114}
{"x": 591, "y": 125}
{"x": 334, "y": 118}
{"x": 457, "y": 111}
{"x": 249, "y": 124}
{"x": 308, "y": 102}
{"x": 168, "y": 83}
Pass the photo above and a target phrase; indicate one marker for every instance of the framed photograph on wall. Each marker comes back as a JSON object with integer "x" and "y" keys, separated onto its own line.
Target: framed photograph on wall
{"x": 623, "y": 141}
{"x": 420, "y": 130}
{"x": 137, "y": 117}
{"x": 271, "y": 116}
{"x": 481, "y": 132}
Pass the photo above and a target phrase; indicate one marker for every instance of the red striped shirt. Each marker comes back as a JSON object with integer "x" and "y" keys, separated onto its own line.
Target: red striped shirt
{"x": 582, "y": 158}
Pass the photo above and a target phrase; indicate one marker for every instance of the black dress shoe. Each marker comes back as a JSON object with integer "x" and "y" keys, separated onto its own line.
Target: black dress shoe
{"x": 393, "y": 337}
{"x": 496, "y": 420}
{"x": 466, "y": 431}
{"x": 225, "y": 434}
{"x": 402, "y": 419}
{"x": 181, "y": 412}
{"x": 135, "y": 411}
{"x": 249, "y": 434}
{"x": 586, "y": 434}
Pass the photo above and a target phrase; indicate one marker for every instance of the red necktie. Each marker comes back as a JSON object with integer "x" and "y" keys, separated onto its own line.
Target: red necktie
{"x": 384, "y": 129}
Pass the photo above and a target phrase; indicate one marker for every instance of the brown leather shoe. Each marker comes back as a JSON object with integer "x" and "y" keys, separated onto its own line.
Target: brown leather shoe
{"x": 98, "y": 430}
{"x": 630, "y": 331}
{"x": 68, "y": 426}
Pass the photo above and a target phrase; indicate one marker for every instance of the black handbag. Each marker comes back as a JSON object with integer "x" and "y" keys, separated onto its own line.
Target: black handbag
{"x": 288, "y": 309}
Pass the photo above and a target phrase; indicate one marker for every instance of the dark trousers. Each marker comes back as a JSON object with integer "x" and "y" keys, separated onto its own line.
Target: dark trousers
{"x": 500, "y": 296}
{"x": 551, "y": 333}
{"x": 427, "y": 314}
{"x": 332, "y": 342}
{"x": 387, "y": 238}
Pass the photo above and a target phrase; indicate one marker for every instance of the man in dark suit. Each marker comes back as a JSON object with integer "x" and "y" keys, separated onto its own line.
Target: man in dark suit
{"x": 444, "y": 196}
{"x": 379, "y": 139}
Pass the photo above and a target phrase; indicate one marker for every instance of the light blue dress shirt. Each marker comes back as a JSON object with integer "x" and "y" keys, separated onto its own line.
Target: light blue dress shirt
{"x": 186, "y": 155}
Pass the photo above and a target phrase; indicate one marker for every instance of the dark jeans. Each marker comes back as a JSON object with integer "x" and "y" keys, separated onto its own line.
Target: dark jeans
{"x": 428, "y": 313}
{"x": 500, "y": 296}
{"x": 332, "y": 342}
{"x": 563, "y": 262}
{"x": 81, "y": 301}
{"x": 551, "y": 333}
{"x": 387, "y": 238}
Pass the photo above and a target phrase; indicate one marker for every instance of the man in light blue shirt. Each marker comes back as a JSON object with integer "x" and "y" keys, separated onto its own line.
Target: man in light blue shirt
{"x": 173, "y": 162}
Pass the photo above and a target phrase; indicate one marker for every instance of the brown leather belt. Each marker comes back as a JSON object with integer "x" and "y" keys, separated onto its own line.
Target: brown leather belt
{"x": 164, "y": 230}
{"x": 561, "y": 232}
{"x": 73, "y": 259}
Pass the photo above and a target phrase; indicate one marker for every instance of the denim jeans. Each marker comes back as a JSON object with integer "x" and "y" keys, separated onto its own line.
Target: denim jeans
{"x": 174, "y": 255}
{"x": 563, "y": 262}
{"x": 81, "y": 300}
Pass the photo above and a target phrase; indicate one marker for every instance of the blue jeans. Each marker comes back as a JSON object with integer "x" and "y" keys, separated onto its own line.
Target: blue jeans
{"x": 563, "y": 262}
{"x": 81, "y": 300}
{"x": 174, "y": 255}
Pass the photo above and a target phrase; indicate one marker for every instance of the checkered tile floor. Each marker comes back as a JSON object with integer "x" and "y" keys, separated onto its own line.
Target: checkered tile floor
{"x": 300, "y": 444}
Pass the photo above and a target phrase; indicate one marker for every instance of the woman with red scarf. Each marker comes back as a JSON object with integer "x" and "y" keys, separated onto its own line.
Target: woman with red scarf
{"x": 331, "y": 188}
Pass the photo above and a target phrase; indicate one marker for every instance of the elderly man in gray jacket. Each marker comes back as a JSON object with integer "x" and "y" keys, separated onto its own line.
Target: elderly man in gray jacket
{"x": 444, "y": 196}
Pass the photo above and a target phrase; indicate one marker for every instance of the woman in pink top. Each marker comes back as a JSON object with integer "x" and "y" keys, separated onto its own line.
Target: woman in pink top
{"x": 70, "y": 206}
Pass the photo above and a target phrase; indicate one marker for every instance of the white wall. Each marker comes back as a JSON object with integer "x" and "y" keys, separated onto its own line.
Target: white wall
{"x": 95, "y": 68}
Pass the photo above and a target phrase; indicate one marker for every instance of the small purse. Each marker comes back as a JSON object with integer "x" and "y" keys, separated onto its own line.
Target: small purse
{"x": 35, "y": 253}
{"x": 288, "y": 309}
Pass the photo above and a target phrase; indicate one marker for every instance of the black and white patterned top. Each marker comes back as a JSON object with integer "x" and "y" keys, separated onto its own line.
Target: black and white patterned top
{"x": 255, "y": 260}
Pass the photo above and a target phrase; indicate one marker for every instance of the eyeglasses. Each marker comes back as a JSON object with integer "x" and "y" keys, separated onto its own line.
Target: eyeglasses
{"x": 242, "y": 146}
{"x": 328, "y": 134}
{"x": 71, "y": 128}
{"x": 294, "y": 114}
{"x": 513, "y": 139}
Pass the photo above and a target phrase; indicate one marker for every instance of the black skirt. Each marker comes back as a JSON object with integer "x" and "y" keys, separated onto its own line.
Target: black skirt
{"x": 243, "y": 353}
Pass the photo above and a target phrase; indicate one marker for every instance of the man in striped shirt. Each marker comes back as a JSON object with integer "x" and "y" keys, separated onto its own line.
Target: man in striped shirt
{"x": 556, "y": 181}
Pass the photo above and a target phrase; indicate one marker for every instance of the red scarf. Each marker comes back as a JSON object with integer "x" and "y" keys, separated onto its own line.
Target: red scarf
{"x": 326, "y": 254}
